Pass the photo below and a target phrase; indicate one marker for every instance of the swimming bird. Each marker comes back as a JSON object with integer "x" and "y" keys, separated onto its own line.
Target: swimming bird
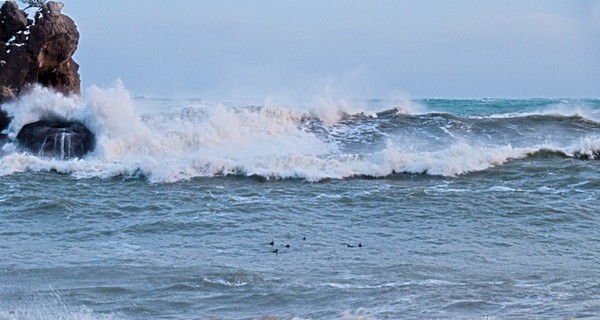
{"x": 276, "y": 251}
{"x": 272, "y": 243}
{"x": 351, "y": 246}
{"x": 287, "y": 245}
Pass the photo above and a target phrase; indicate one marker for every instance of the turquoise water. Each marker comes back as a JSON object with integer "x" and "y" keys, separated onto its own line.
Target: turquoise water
{"x": 464, "y": 209}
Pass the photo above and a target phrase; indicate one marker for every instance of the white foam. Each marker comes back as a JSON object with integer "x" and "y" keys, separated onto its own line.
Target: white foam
{"x": 212, "y": 139}
{"x": 587, "y": 146}
{"x": 40, "y": 103}
{"x": 332, "y": 110}
{"x": 457, "y": 159}
{"x": 198, "y": 140}
{"x": 503, "y": 189}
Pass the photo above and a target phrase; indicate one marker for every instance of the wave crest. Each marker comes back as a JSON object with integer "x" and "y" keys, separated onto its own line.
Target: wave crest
{"x": 331, "y": 141}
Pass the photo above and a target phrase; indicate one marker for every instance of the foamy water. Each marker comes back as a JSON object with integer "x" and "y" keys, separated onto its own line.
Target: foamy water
{"x": 199, "y": 139}
{"x": 463, "y": 209}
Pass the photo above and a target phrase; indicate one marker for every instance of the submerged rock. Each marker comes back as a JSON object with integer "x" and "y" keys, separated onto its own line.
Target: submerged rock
{"x": 56, "y": 139}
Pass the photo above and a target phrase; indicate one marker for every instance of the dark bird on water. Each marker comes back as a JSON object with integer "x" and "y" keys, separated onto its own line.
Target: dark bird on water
{"x": 276, "y": 251}
{"x": 351, "y": 246}
{"x": 287, "y": 245}
{"x": 272, "y": 243}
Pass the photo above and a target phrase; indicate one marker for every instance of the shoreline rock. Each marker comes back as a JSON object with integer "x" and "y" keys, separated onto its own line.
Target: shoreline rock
{"x": 56, "y": 139}
{"x": 40, "y": 52}
{"x": 37, "y": 51}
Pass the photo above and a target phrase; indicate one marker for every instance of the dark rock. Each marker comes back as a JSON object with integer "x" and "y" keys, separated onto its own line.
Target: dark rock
{"x": 4, "y": 120}
{"x": 52, "y": 43}
{"x": 56, "y": 139}
{"x": 14, "y": 70}
{"x": 12, "y": 20}
{"x": 37, "y": 52}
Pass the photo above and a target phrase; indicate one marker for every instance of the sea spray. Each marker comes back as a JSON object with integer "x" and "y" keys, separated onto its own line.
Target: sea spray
{"x": 176, "y": 144}
{"x": 330, "y": 110}
{"x": 41, "y": 103}
{"x": 313, "y": 140}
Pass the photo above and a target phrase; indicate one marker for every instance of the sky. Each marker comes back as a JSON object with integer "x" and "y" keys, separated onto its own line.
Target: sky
{"x": 231, "y": 49}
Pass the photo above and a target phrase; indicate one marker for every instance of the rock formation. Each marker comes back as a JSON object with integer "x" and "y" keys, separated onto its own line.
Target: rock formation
{"x": 40, "y": 52}
{"x": 56, "y": 139}
{"x": 37, "y": 51}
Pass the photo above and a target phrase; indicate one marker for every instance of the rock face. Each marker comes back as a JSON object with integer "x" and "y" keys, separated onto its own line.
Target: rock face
{"x": 56, "y": 139}
{"x": 37, "y": 51}
{"x": 40, "y": 52}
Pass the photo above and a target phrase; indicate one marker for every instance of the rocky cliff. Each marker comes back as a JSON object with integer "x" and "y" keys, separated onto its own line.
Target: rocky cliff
{"x": 37, "y": 51}
{"x": 40, "y": 51}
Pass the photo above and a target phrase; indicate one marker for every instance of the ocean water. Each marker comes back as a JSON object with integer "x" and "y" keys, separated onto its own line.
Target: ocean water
{"x": 463, "y": 209}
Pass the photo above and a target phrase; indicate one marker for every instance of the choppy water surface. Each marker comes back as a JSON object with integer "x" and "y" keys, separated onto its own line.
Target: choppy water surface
{"x": 474, "y": 209}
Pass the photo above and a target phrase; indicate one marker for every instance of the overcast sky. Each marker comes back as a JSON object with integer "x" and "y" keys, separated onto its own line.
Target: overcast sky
{"x": 353, "y": 49}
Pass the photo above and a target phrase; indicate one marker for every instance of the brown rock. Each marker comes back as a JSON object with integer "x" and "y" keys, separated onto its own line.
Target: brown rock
{"x": 52, "y": 43}
{"x": 37, "y": 53}
{"x": 11, "y": 20}
{"x": 14, "y": 68}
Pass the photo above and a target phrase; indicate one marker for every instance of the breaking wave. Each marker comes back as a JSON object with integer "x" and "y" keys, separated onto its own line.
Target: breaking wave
{"x": 329, "y": 140}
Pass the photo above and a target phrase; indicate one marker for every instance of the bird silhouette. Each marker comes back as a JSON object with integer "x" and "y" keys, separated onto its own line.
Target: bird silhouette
{"x": 351, "y": 246}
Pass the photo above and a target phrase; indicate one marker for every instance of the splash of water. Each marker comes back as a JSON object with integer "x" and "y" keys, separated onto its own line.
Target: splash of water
{"x": 184, "y": 140}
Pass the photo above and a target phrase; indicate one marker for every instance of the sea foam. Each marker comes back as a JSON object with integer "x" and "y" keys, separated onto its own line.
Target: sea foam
{"x": 205, "y": 139}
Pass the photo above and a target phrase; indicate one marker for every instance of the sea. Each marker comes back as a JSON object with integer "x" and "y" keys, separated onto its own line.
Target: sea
{"x": 321, "y": 208}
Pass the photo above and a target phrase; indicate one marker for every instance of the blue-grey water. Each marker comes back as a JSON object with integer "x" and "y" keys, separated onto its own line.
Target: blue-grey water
{"x": 464, "y": 209}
